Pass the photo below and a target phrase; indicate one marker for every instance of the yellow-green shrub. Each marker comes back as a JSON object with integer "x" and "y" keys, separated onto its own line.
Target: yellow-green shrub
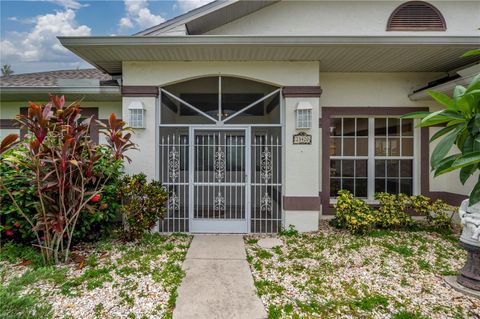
{"x": 391, "y": 212}
{"x": 436, "y": 212}
{"x": 353, "y": 213}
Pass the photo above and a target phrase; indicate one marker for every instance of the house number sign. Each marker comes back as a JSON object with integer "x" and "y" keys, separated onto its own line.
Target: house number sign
{"x": 302, "y": 138}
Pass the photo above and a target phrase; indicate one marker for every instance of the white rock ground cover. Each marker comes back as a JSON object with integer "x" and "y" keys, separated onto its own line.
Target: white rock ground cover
{"x": 387, "y": 274}
{"x": 111, "y": 279}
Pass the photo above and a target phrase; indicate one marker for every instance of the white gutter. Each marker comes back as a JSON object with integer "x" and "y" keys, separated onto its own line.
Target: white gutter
{"x": 75, "y": 41}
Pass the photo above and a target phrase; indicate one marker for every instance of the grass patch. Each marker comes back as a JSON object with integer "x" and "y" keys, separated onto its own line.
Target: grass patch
{"x": 331, "y": 273}
{"x": 156, "y": 256}
{"x": 399, "y": 249}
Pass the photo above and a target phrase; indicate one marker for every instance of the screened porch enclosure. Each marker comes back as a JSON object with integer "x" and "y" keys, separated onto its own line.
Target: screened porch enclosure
{"x": 220, "y": 156}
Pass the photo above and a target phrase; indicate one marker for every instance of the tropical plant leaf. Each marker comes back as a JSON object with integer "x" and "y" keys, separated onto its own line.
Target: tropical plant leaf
{"x": 8, "y": 142}
{"x": 466, "y": 172}
{"x": 458, "y": 92}
{"x": 442, "y": 132}
{"x": 442, "y": 149}
{"x": 471, "y": 53}
{"x": 443, "y": 99}
{"x": 475, "y": 194}
{"x": 445, "y": 165}
{"x": 467, "y": 159}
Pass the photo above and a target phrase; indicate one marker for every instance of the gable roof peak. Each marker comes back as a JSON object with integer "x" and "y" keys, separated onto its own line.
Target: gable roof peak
{"x": 208, "y": 17}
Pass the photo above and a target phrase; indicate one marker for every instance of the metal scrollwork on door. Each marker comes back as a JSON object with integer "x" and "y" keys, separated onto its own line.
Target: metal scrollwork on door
{"x": 174, "y": 202}
{"x": 266, "y": 203}
{"x": 173, "y": 164}
{"x": 219, "y": 164}
{"x": 266, "y": 165}
{"x": 219, "y": 203}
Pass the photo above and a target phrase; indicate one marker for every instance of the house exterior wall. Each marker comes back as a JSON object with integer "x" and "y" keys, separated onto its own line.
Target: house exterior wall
{"x": 9, "y": 110}
{"x": 302, "y": 173}
{"x": 375, "y": 90}
{"x": 277, "y": 73}
{"x": 164, "y": 73}
{"x": 346, "y": 18}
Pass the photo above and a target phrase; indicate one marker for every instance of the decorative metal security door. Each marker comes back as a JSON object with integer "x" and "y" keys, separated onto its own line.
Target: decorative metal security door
{"x": 219, "y": 185}
{"x": 220, "y": 155}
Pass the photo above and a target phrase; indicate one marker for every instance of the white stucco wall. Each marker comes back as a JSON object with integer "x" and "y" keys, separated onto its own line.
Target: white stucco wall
{"x": 9, "y": 110}
{"x": 301, "y": 171}
{"x": 278, "y": 73}
{"x": 374, "y": 90}
{"x": 143, "y": 159}
{"x": 388, "y": 90}
{"x": 162, "y": 73}
{"x": 346, "y": 18}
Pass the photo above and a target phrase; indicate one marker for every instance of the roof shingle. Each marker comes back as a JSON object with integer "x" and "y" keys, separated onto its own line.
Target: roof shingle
{"x": 58, "y": 78}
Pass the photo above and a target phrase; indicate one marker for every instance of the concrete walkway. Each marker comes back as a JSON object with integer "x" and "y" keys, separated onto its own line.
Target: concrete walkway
{"x": 218, "y": 281}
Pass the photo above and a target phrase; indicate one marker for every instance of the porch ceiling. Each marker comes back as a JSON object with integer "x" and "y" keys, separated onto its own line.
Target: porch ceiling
{"x": 337, "y": 54}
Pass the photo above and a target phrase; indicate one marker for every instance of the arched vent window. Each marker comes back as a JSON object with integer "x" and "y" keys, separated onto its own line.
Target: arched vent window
{"x": 416, "y": 16}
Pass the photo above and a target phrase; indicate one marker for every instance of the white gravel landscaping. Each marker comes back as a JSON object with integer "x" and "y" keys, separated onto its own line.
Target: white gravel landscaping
{"x": 333, "y": 274}
{"x": 108, "y": 280}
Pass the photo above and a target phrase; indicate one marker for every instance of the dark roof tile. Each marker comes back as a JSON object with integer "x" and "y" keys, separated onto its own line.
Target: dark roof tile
{"x": 53, "y": 78}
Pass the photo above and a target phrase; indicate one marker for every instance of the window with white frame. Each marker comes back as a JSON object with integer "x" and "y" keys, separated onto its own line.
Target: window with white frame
{"x": 137, "y": 118}
{"x": 370, "y": 155}
{"x": 304, "y": 118}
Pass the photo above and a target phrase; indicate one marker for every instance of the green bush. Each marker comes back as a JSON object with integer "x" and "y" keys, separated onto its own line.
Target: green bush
{"x": 19, "y": 178}
{"x": 353, "y": 213}
{"x": 143, "y": 204}
{"x": 437, "y": 213}
{"x": 391, "y": 212}
{"x": 102, "y": 216}
{"x": 356, "y": 215}
{"x": 99, "y": 218}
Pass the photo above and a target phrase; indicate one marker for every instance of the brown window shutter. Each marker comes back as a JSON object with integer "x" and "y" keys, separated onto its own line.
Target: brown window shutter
{"x": 416, "y": 16}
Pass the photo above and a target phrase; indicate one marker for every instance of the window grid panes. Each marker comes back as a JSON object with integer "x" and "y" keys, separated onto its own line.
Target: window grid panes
{"x": 304, "y": 118}
{"x": 394, "y": 144}
{"x": 387, "y": 143}
{"x": 136, "y": 118}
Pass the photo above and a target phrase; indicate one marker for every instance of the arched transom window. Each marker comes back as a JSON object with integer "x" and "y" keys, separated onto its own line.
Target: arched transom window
{"x": 220, "y": 100}
{"x": 416, "y": 16}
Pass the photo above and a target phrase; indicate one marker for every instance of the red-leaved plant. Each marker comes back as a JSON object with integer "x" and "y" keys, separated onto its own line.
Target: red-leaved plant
{"x": 61, "y": 157}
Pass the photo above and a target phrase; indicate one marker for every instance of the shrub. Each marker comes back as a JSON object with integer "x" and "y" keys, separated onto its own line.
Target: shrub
{"x": 98, "y": 219}
{"x": 20, "y": 180}
{"x": 353, "y": 213}
{"x": 102, "y": 216}
{"x": 62, "y": 158}
{"x": 143, "y": 204}
{"x": 391, "y": 212}
{"x": 437, "y": 213}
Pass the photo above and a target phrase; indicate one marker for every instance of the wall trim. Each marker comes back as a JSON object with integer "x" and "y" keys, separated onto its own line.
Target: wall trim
{"x": 301, "y": 203}
{"x": 328, "y": 112}
{"x": 449, "y": 198}
{"x": 139, "y": 90}
{"x": 9, "y": 124}
{"x": 302, "y": 91}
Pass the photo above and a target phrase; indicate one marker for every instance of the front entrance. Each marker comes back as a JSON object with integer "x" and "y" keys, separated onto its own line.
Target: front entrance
{"x": 220, "y": 143}
{"x": 220, "y": 181}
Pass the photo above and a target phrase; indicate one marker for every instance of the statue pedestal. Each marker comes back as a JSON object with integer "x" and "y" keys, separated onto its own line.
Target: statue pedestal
{"x": 470, "y": 273}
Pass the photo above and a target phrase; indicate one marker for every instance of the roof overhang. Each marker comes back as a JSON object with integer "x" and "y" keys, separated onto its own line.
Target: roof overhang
{"x": 336, "y": 53}
{"x": 208, "y": 17}
{"x": 22, "y": 93}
